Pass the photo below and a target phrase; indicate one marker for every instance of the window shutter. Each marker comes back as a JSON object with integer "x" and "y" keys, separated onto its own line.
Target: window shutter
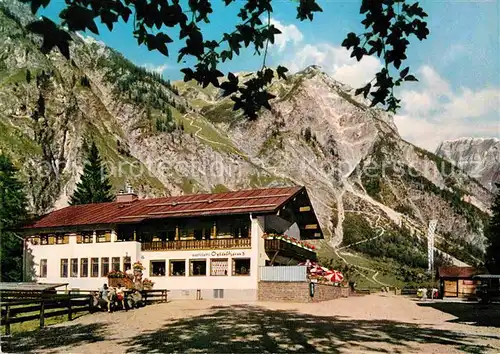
{"x": 35, "y": 240}
{"x": 108, "y": 236}
{"x": 52, "y": 239}
{"x": 66, "y": 239}
{"x": 78, "y": 238}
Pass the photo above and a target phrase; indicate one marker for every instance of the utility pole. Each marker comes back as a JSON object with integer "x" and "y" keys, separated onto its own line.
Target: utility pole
{"x": 25, "y": 268}
{"x": 430, "y": 247}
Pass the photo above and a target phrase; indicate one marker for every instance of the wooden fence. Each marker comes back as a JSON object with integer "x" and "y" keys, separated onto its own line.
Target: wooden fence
{"x": 22, "y": 310}
{"x": 23, "y": 307}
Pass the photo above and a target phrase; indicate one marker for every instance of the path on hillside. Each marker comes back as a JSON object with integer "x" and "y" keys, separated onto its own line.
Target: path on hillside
{"x": 375, "y": 272}
{"x": 325, "y": 178}
{"x": 367, "y": 324}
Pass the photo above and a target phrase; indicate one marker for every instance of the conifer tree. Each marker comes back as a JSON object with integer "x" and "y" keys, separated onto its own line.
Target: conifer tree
{"x": 493, "y": 237}
{"x": 94, "y": 185}
{"x": 12, "y": 213}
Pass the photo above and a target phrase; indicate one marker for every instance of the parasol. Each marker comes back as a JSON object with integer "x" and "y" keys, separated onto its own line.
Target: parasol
{"x": 334, "y": 276}
{"x": 318, "y": 270}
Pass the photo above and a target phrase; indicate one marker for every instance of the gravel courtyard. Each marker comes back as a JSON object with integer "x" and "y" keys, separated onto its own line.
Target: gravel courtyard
{"x": 374, "y": 323}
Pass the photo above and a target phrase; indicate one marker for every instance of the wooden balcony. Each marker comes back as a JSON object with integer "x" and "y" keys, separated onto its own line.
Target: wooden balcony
{"x": 228, "y": 243}
{"x": 289, "y": 250}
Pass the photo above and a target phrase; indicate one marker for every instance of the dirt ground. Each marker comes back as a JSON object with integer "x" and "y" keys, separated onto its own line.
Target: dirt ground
{"x": 374, "y": 323}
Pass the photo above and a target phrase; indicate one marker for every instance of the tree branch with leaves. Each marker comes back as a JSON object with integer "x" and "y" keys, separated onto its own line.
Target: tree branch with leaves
{"x": 389, "y": 24}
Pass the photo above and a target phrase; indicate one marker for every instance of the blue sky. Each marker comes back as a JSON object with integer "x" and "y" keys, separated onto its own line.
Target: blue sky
{"x": 458, "y": 65}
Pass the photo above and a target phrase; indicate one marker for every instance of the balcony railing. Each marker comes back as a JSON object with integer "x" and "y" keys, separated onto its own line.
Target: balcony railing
{"x": 288, "y": 249}
{"x": 230, "y": 243}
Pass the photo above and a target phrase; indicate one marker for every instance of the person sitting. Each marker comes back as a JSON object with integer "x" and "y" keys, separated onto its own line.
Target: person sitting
{"x": 120, "y": 296}
{"x": 134, "y": 300}
{"x": 103, "y": 292}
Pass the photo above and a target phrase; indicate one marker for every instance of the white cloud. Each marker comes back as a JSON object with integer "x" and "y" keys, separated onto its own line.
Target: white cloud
{"x": 435, "y": 112}
{"x": 337, "y": 62}
{"x": 289, "y": 33}
{"x": 470, "y": 104}
{"x": 434, "y": 82}
{"x": 428, "y": 133}
{"x": 156, "y": 68}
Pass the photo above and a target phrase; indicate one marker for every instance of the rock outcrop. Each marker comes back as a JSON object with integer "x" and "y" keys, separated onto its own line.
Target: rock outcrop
{"x": 478, "y": 157}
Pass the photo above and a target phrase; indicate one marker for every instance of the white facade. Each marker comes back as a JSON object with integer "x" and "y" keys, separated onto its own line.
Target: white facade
{"x": 233, "y": 286}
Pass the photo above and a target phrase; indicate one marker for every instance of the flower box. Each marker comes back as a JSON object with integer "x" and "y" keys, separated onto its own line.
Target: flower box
{"x": 147, "y": 284}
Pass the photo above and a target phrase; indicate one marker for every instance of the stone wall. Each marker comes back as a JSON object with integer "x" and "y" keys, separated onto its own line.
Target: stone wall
{"x": 325, "y": 292}
{"x": 298, "y": 292}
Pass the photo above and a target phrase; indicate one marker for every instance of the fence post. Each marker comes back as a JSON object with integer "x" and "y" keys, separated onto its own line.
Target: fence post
{"x": 145, "y": 297}
{"x": 91, "y": 303}
{"x": 7, "y": 320}
{"x": 42, "y": 314}
{"x": 70, "y": 315}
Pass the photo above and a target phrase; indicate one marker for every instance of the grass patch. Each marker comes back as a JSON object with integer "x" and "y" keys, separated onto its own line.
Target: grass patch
{"x": 206, "y": 132}
{"x": 258, "y": 180}
{"x": 126, "y": 168}
{"x": 13, "y": 140}
{"x": 220, "y": 188}
{"x": 188, "y": 185}
{"x": 34, "y": 325}
{"x": 221, "y": 113}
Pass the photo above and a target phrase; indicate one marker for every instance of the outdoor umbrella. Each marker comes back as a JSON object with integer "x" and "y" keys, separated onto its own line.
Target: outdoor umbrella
{"x": 319, "y": 270}
{"x": 334, "y": 276}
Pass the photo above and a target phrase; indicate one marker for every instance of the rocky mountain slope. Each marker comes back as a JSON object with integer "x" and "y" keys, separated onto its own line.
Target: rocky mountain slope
{"x": 166, "y": 138}
{"x": 478, "y": 157}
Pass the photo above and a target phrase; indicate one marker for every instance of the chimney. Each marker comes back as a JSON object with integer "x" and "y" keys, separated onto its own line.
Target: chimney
{"x": 127, "y": 196}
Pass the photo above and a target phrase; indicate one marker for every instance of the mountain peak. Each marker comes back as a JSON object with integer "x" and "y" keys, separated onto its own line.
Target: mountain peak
{"x": 479, "y": 157}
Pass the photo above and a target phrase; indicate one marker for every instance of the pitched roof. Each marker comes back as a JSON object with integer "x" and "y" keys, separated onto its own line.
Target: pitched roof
{"x": 456, "y": 272}
{"x": 244, "y": 201}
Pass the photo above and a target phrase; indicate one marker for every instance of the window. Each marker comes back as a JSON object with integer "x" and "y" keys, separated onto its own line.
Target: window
{"x": 44, "y": 239}
{"x": 43, "y": 268}
{"x": 115, "y": 263}
{"x": 84, "y": 267}
{"x": 104, "y": 266}
{"x": 85, "y": 237}
{"x": 178, "y": 268}
{"x": 241, "y": 266}
{"x": 64, "y": 268}
{"x": 95, "y": 267}
{"x": 103, "y": 236}
{"x": 218, "y": 293}
{"x": 59, "y": 239}
{"x": 127, "y": 263}
{"x": 198, "y": 267}
{"x": 74, "y": 267}
{"x": 157, "y": 268}
{"x": 218, "y": 266}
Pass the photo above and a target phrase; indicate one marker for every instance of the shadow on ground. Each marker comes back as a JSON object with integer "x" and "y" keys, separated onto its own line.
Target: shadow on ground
{"x": 53, "y": 337}
{"x": 469, "y": 312}
{"x": 253, "y": 329}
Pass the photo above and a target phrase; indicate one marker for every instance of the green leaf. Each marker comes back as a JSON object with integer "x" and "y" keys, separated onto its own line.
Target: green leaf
{"x": 281, "y": 70}
{"x": 79, "y": 18}
{"x": 410, "y": 78}
{"x": 404, "y": 72}
{"x": 36, "y": 4}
